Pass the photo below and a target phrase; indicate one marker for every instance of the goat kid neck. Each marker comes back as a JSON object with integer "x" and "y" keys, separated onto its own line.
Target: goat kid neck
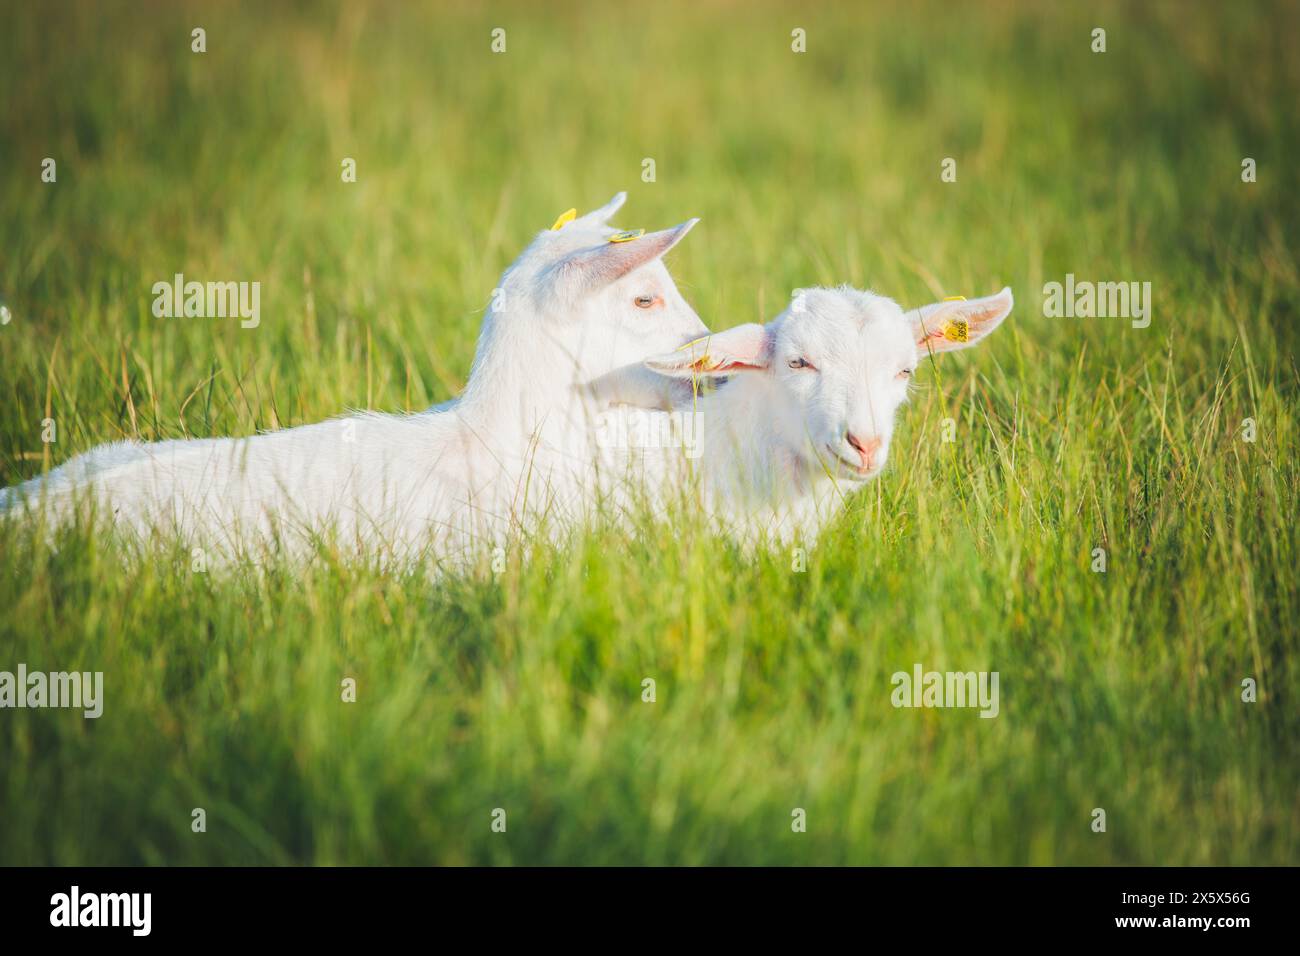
{"x": 753, "y": 441}
{"x": 523, "y": 383}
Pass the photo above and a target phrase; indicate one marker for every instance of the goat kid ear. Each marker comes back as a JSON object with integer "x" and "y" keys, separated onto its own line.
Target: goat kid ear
{"x": 594, "y": 268}
{"x": 959, "y": 324}
{"x": 602, "y": 216}
{"x": 745, "y": 348}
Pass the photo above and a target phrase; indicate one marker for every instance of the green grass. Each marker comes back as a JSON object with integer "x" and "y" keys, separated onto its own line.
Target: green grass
{"x": 522, "y": 690}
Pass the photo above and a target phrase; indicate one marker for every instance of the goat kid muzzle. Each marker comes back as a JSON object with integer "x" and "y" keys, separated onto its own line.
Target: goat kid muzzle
{"x": 860, "y": 457}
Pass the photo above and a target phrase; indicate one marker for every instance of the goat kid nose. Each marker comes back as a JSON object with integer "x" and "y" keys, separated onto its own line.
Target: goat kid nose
{"x": 866, "y": 448}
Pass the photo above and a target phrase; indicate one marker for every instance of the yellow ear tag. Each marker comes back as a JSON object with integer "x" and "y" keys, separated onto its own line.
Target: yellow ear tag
{"x": 704, "y": 363}
{"x": 565, "y": 217}
{"x": 958, "y": 330}
{"x": 627, "y": 236}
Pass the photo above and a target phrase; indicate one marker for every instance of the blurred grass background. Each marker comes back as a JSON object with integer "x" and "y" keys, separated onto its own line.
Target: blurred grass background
{"x": 522, "y": 690}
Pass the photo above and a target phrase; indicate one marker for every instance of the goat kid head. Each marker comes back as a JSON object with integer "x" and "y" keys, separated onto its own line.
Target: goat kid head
{"x": 584, "y": 299}
{"x": 832, "y": 370}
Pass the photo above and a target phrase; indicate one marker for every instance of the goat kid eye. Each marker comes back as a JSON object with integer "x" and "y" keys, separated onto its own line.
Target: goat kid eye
{"x": 905, "y": 373}
{"x": 801, "y": 363}
{"x": 644, "y": 301}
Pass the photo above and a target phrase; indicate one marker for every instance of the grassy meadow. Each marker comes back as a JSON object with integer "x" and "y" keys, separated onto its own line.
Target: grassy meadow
{"x": 522, "y": 689}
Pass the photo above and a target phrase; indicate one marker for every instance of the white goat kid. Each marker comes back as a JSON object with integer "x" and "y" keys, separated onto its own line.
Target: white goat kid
{"x": 443, "y": 483}
{"x": 807, "y": 412}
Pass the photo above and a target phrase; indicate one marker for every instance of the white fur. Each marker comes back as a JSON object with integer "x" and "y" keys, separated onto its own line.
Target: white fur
{"x": 443, "y": 483}
{"x": 775, "y": 460}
